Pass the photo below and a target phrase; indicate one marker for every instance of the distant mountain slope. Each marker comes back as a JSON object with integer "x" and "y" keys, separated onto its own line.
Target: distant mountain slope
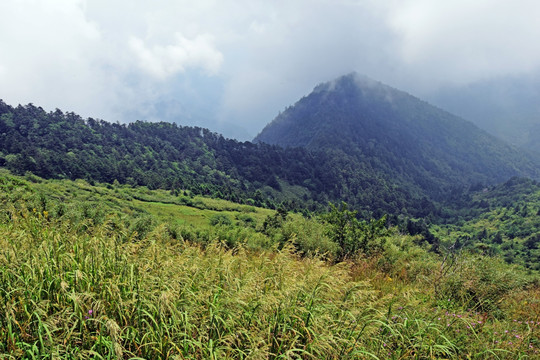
{"x": 534, "y": 139}
{"x": 168, "y": 156}
{"x": 410, "y": 142}
{"x": 506, "y": 106}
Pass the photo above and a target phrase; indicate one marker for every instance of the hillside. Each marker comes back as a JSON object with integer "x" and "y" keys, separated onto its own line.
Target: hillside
{"x": 501, "y": 220}
{"x": 168, "y": 156}
{"x": 157, "y": 155}
{"x": 410, "y": 143}
{"x": 355, "y": 140}
{"x": 114, "y": 271}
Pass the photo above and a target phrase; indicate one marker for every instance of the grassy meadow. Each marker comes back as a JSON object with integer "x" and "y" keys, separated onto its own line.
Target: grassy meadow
{"x": 115, "y": 272}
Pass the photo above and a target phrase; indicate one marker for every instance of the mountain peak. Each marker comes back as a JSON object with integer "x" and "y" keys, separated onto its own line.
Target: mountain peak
{"x": 375, "y": 123}
{"x": 350, "y": 82}
{"x": 353, "y": 95}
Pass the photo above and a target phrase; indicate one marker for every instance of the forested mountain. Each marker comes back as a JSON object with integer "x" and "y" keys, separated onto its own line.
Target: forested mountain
{"x": 355, "y": 140}
{"x": 410, "y": 143}
{"x": 167, "y": 156}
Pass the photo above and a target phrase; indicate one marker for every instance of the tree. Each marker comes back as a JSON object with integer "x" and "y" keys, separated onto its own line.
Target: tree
{"x": 352, "y": 235}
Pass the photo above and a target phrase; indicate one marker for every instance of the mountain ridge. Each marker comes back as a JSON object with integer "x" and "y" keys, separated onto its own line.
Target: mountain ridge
{"x": 368, "y": 119}
{"x": 378, "y": 165}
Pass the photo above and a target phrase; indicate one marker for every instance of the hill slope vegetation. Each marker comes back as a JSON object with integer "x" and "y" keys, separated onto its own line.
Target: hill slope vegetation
{"x": 167, "y": 156}
{"x": 355, "y": 140}
{"x": 409, "y": 143}
{"x": 111, "y": 271}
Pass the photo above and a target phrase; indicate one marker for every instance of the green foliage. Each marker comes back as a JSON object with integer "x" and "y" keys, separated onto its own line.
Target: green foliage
{"x": 274, "y": 222}
{"x": 478, "y": 283}
{"x": 309, "y": 238}
{"x": 393, "y": 176}
{"x": 246, "y": 220}
{"x": 352, "y": 235}
{"x": 86, "y": 273}
{"x": 501, "y": 221}
{"x": 220, "y": 219}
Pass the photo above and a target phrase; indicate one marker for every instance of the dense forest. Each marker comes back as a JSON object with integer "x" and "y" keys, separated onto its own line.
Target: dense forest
{"x": 168, "y": 156}
{"x": 179, "y": 158}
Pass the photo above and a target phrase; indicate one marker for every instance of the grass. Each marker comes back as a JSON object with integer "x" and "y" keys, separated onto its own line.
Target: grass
{"x": 120, "y": 278}
{"x": 156, "y": 298}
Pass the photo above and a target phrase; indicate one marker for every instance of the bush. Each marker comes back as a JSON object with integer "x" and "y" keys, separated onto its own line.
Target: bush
{"x": 309, "y": 238}
{"x": 352, "y": 235}
{"x": 246, "y": 220}
{"x": 220, "y": 219}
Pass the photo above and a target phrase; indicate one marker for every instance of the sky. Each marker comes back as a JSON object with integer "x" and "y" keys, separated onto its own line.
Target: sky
{"x": 232, "y": 66}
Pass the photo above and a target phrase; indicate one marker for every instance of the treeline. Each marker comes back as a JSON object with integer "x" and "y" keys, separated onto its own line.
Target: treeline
{"x": 179, "y": 158}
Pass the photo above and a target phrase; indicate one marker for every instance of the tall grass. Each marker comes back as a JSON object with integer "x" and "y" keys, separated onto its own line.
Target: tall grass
{"x": 98, "y": 287}
{"x": 67, "y": 294}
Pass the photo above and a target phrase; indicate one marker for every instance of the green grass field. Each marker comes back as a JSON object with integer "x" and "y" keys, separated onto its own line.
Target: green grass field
{"x": 112, "y": 272}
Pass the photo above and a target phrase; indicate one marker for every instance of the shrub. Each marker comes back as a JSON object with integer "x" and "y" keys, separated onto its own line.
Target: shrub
{"x": 220, "y": 219}
{"x": 352, "y": 235}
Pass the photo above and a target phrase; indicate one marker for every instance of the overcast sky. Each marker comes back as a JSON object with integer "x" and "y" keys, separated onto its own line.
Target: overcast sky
{"x": 233, "y": 65}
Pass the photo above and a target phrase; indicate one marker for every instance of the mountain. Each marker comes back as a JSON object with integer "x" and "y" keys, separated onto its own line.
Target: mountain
{"x": 507, "y": 107}
{"x": 409, "y": 142}
{"x": 167, "y": 156}
{"x": 355, "y": 140}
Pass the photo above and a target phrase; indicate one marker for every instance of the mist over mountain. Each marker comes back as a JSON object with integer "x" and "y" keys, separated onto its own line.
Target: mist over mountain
{"x": 353, "y": 139}
{"x": 507, "y": 107}
{"x": 411, "y": 141}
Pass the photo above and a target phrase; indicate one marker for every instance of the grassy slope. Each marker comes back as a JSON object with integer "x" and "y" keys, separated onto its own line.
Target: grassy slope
{"x": 113, "y": 272}
{"x": 505, "y": 222}
{"x": 137, "y": 202}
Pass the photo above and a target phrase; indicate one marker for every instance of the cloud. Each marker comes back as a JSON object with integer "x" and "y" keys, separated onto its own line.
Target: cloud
{"x": 50, "y": 54}
{"x": 91, "y": 58}
{"x": 243, "y": 61}
{"x": 292, "y": 46}
{"x": 164, "y": 61}
{"x": 464, "y": 41}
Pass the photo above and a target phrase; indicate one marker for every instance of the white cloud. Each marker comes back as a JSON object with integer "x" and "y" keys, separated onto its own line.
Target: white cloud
{"x": 291, "y": 47}
{"x": 49, "y": 52}
{"x": 164, "y": 61}
{"x": 123, "y": 59}
{"x": 464, "y": 41}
